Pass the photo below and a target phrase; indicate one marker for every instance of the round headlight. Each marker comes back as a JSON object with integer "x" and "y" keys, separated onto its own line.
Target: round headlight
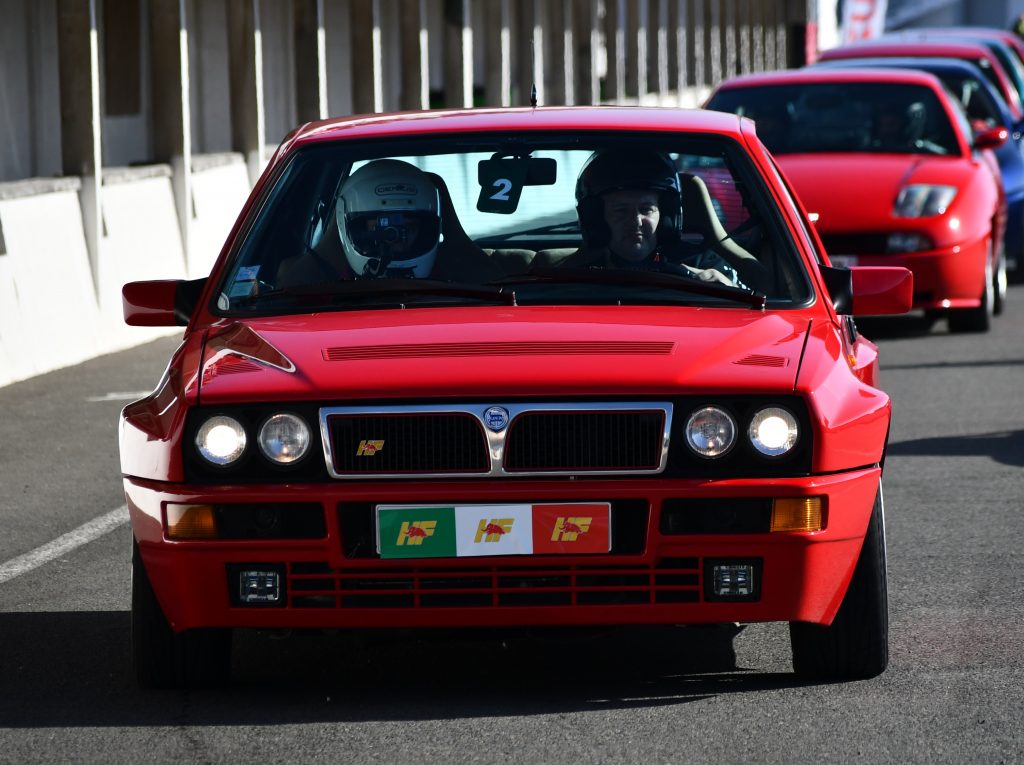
{"x": 711, "y": 432}
{"x": 284, "y": 439}
{"x": 773, "y": 431}
{"x": 221, "y": 440}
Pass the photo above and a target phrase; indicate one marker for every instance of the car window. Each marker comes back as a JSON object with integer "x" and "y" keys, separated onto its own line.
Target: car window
{"x": 974, "y": 97}
{"x": 350, "y": 225}
{"x": 865, "y": 117}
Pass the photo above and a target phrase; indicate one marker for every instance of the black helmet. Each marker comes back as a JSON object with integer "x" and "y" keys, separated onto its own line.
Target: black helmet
{"x": 624, "y": 170}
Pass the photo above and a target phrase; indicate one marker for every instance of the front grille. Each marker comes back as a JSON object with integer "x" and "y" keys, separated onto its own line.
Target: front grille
{"x": 496, "y": 439}
{"x": 673, "y": 580}
{"x": 431, "y": 442}
{"x": 585, "y": 440}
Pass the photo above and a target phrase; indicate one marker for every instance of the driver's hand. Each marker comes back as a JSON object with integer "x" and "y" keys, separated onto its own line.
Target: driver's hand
{"x": 708, "y": 275}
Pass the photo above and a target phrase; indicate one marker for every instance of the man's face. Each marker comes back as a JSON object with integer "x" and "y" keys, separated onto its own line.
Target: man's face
{"x": 633, "y": 218}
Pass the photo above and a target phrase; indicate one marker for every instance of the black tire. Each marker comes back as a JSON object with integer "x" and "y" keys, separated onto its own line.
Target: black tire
{"x": 163, "y": 658}
{"x": 856, "y": 645}
{"x": 976, "y": 319}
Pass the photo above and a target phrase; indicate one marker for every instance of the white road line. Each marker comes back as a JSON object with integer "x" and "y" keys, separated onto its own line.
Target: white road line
{"x": 64, "y": 544}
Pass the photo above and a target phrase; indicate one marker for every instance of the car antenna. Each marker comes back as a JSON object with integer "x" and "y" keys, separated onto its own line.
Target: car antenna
{"x": 533, "y": 59}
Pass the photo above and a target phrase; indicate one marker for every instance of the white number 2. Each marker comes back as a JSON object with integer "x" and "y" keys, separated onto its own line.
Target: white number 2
{"x": 504, "y": 185}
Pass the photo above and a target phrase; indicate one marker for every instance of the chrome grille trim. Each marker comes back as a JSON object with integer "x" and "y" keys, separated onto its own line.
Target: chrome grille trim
{"x": 496, "y": 441}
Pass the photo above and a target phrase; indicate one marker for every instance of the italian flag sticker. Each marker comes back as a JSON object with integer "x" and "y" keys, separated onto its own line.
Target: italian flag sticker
{"x": 416, "y": 532}
{"x": 428, "y": 531}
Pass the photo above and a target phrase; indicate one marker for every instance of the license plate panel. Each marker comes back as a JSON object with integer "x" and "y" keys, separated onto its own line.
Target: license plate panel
{"x": 484, "y": 530}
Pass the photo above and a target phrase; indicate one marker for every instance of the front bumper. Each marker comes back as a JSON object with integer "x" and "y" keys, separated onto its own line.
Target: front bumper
{"x": 655, "y": 577}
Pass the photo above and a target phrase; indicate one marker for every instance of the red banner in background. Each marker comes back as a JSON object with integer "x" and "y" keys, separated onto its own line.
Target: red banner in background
{"x": 862, "y": 20}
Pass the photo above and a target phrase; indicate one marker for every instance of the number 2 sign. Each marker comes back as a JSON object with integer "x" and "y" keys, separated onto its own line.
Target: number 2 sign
{"x": 501, "y": 184}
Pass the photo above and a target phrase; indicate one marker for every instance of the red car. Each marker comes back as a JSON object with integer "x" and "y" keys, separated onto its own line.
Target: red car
{"x": 401, "y": 401}
{"x": 888, "y": 162}
{"x": 976, "y": 52}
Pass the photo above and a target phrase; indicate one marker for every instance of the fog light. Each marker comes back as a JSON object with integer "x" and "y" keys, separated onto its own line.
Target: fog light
{"x": 191, "y": 522}
{"x": 732, "y": 579}
{"x": 798, "y": 514}
{"x": 259, "y": 586}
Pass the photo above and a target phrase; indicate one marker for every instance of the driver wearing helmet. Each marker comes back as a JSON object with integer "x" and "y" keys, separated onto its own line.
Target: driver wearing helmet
{"x": 629, "y": 208}
{"x": 389, "y": 221}
{"x": 388, "y": 225}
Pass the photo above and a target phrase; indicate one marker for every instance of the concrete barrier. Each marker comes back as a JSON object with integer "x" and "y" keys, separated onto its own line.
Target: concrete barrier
{"x": 55, "y": 309}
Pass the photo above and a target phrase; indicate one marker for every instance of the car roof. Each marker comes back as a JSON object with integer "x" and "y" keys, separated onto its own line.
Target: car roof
{"x": 917, "y": 47}
{"x": 980, "y": 33}
{"x": 825, "y": 74}
{"x": 619, "y": 119}
{"x": 943, "y": 47}
{"x": 936, "y": 65}
{"x": 925, "y": 63}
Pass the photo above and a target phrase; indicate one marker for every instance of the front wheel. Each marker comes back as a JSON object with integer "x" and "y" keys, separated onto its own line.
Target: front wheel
{"x": 856, "y": 644}
{"x": 163, "y": 658}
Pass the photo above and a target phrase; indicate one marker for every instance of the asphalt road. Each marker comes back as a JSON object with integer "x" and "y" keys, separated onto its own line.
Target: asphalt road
{"x": 954, "y": 490}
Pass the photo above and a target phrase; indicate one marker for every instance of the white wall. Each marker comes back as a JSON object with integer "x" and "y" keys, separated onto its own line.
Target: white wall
{"x": 53, "y": 312}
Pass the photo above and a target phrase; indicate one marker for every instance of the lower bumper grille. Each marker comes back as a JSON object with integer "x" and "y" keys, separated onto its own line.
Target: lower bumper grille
{"x": 673, "y": 580}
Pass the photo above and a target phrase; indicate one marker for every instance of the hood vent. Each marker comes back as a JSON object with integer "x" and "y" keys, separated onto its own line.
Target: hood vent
{"x": 433, "y": 350}
{"x": 229, "y": 365}
{"x": 759, "y": 360}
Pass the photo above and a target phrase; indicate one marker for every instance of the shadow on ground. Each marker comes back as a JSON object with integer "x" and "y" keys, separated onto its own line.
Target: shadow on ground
{"x": 1005, "y": 447}
{"x": 73, "y": 669}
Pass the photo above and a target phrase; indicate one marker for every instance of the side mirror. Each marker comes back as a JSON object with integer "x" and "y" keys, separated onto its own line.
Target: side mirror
{"x": 870, "y": 290}
{"x": 992, "y": 138}
{"x": 161, "y": 303}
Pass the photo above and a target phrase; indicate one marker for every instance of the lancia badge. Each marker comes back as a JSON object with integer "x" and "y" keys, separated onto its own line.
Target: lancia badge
{"x": 496, "y": 418}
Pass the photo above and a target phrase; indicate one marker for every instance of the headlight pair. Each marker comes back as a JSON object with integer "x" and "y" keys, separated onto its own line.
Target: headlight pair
{"x": 712, "y": 432}
{"x": 283, "y": 438}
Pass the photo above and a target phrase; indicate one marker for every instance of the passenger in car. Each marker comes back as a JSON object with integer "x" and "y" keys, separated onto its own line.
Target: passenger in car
{"x": 630, "y": 212}
{"x": 388, "y": 224}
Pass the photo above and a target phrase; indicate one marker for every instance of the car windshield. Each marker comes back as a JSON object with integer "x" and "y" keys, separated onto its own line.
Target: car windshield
{"x": 476, "y": 220}
{"x": 869, "y": 117}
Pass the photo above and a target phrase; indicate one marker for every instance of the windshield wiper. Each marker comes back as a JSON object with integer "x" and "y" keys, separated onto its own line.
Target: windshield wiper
{"x": 377, "y": 288}
{"x": 623, "y": 277}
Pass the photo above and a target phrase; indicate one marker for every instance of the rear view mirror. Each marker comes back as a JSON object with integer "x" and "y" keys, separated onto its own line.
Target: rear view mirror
{"x": 502, "y": 180}
{"x": 992, "y": 138}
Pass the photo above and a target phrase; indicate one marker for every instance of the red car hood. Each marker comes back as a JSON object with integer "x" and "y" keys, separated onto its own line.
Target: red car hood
{"x": 856, "y": 192}
{"x": 500, "y": 353}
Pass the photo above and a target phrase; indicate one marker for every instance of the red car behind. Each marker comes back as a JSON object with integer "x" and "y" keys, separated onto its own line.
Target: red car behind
{"x": 888, "y": 162}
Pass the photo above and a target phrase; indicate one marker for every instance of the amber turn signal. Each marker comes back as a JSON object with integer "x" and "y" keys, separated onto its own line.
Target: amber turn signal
{"x": 798, "y": 514}
{"x": 191, "y": 522}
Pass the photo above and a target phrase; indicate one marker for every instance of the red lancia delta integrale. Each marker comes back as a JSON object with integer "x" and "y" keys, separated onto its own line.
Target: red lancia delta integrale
{"x": 537, "y": 367}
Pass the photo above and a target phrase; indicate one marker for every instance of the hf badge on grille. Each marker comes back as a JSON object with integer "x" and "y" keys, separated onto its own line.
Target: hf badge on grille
{"x": 496, "y": 418}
